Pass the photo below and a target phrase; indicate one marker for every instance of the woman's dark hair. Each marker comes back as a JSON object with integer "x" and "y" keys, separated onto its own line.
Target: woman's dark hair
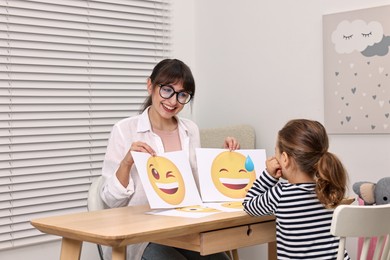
{"x": 171, "y": 71}
{"x": 306, "y": 141}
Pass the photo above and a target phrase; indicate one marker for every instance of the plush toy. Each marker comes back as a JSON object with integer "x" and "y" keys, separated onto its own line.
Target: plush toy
{"x": 373, "y": 193}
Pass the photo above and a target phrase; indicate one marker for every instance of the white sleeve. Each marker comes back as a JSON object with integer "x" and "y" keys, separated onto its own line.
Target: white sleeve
{"x": 113, "y": 193}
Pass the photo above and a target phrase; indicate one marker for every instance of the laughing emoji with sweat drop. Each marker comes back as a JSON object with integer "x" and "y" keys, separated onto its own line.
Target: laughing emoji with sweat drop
{"x": 166, "y": 179}
{"x": 233, "y": 174}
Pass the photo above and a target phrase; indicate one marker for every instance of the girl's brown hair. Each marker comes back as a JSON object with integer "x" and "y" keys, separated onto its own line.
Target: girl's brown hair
{"x": 171, "y": 71}
{"x": 306, "y": 141}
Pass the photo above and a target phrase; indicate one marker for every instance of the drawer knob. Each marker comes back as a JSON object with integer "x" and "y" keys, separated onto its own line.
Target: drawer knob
{"x": 249, "y": 231}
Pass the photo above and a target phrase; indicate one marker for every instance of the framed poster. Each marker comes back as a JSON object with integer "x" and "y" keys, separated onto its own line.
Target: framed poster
{"x": 357, "y": 71}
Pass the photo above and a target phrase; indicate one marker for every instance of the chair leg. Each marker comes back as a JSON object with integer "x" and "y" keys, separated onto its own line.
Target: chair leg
{"x": 100, "y": 250}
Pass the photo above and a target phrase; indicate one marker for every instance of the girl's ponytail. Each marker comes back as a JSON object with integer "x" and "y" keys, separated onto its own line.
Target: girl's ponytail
{"x": 331, "y": 180}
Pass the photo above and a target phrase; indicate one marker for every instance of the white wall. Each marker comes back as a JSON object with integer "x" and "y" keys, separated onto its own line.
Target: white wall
{"x": 258, "y": 62}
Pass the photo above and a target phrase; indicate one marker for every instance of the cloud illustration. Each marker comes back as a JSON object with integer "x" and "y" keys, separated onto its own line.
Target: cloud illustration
{"x": 381, "y": 48}
{"x": 356, "y": 35}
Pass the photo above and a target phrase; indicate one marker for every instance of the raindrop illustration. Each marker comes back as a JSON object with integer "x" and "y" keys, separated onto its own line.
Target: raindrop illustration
{"x": 249, "y": 166}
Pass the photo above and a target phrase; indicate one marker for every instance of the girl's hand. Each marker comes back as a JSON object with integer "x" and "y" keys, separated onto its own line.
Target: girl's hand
{"x": 273, "y": 167}
{"x": 231, "y": 143}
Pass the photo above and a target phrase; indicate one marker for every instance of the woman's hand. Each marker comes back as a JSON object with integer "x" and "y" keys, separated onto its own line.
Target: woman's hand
{"x": 231, "y": 143}
{"x": 137, "y": 147}
{"x": 124, "y": 169}
{"x": 273, "y": 167}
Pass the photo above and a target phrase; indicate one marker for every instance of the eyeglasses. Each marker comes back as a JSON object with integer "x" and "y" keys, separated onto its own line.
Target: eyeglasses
{"x": 167, "y": 91}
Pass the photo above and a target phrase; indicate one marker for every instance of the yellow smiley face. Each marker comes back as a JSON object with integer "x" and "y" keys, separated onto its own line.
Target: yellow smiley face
{"x": 230, "y": 174}
{"x": 197, "y": 208}
{"x": 233, "y": 205}
{"x": 166, "y": 179}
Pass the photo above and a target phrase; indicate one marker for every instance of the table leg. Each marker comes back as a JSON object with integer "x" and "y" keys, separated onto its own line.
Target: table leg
{"x": 235, "y": 254}
{"x": 70, "y": 249}
{"x": 119, "y": 253}
{"x": 232, "y": 254}
{"x": 272, "y": 255}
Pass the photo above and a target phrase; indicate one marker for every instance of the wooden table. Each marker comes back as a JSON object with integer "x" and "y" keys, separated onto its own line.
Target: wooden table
{"x": 119, "y": 227}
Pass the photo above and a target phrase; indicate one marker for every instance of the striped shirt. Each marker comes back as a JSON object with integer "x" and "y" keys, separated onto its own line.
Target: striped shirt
{"x": 302, "y": 222}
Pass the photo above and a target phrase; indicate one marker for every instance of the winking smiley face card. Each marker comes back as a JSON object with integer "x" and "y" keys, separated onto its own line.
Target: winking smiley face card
{"x": 167, "y": 179}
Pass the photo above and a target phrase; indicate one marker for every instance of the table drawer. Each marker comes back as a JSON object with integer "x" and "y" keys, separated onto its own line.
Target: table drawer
{"x": 221, "y": 240}
{"x": 237, "y": 237}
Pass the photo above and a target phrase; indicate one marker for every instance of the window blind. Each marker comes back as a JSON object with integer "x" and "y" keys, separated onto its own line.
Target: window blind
{"x": 69, "y": 70}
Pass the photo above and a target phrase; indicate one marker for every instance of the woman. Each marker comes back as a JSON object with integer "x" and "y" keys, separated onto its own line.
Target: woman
{"x": 156, "y": 130}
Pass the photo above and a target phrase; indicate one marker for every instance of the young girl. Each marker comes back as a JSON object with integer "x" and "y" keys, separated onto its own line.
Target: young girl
{"x": 303, "y": 206}
{"x": 157, "y": 129}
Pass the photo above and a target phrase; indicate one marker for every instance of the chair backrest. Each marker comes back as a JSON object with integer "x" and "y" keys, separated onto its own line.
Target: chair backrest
{"x": 94, "y": 200}
{"x": 363, "y": 221}
{"x": 214, "y": 137}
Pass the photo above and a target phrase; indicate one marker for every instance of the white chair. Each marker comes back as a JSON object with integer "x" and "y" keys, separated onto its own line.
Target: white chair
{"x": 95, "y": 202}
{"x": 363, "y": 221}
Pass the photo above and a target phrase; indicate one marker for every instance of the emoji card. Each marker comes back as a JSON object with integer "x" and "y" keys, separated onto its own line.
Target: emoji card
{"x": 226, "y": 206}
{"x": 228, "y": 175}
{"x": 197, "y": 211}
{"x": 167, "y": 179}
